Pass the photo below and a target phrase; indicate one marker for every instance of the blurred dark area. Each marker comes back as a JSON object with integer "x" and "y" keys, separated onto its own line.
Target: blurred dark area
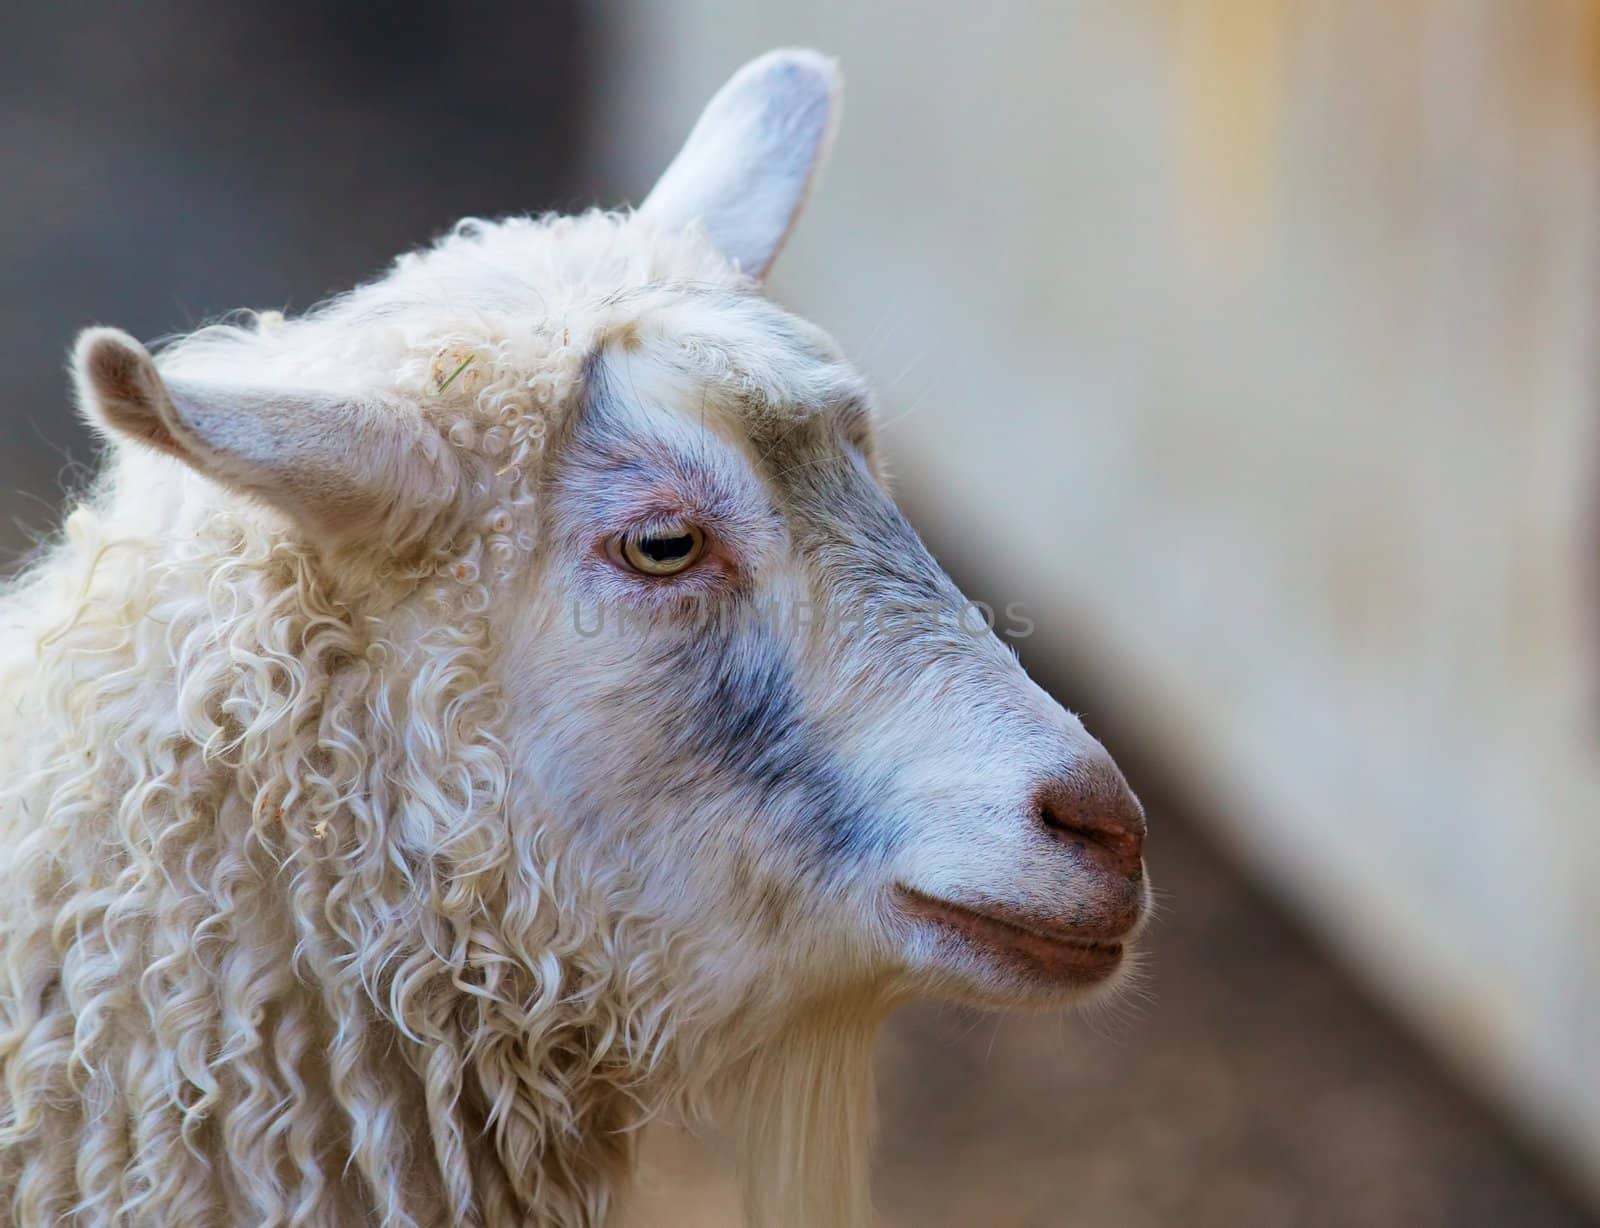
{"x": 164, "y": 164}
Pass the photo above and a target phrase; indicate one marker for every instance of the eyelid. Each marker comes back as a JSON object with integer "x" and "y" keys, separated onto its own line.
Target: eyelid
{"x": 659, "y": 524}
{"x": 656, "y": 513}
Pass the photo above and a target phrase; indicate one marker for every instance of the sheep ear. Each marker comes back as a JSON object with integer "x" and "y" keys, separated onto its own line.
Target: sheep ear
{"x": 746, "y": 168}
{"x": 340, "y": 467}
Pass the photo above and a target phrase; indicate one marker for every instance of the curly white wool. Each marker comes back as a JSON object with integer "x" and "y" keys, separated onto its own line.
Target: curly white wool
{"x": 255, "y": 837}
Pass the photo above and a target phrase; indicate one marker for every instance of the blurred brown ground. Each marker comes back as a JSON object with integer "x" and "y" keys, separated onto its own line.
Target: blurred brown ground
{"x": 1244, "y": 1082}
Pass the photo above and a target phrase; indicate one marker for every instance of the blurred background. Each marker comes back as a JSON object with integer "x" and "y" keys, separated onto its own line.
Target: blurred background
{"x": 1249, "y": 344}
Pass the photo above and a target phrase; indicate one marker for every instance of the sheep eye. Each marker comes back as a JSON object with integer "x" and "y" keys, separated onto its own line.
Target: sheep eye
{"x": 662, "y": 554}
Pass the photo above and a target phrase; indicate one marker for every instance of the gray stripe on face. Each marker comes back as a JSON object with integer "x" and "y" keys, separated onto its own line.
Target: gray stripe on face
{"x": 726, "y": 702}
{"x": 740, "y": 723}
{"x": 741, "y": 716}
{"x": 858, "y": 547}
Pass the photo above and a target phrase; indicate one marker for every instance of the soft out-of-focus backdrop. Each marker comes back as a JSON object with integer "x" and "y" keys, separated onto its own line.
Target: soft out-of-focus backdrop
{"x": 1248, "y": 343}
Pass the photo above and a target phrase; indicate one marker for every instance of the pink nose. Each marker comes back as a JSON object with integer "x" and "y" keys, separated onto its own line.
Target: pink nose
{"x": 1091, "y": 807}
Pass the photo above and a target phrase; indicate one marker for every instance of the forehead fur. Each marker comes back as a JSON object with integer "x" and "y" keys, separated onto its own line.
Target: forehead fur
{"x": 509, "y": 317}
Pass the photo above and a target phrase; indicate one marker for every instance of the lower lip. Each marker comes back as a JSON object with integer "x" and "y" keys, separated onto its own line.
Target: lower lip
{"x": 1078, "y": 961}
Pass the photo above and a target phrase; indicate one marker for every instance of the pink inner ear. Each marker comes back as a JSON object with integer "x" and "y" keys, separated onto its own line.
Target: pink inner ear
{"x": 120, "y": 391}
{"x": 114, "y": 370}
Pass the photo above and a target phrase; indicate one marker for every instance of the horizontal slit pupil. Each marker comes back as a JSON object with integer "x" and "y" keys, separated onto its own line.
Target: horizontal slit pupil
{"x": 665, "y": 549}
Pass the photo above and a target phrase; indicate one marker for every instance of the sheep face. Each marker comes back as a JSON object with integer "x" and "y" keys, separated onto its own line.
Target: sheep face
{"x": 739, "y": 692}
{"x": 539, "y": 620}
{"x": 739, "y": 674}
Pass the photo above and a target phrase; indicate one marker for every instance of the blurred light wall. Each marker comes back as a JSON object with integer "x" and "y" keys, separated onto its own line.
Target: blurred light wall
{"x": 1249, "y": 345}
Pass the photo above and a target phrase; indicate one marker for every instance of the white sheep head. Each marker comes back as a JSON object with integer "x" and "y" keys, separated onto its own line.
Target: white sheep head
{"x": 746, "y": 739}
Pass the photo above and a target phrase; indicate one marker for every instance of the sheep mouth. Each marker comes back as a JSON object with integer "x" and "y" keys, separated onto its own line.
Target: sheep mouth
{"x": 1017, "y": 943}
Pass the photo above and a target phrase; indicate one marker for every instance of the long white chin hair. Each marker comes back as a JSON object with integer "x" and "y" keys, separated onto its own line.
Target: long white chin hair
{"x": 804, "y": 1122}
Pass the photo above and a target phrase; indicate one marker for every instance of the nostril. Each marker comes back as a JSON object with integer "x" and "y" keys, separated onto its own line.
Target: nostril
{"x": 1107, "y": 836}
{"x": 1096, "y": 811}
